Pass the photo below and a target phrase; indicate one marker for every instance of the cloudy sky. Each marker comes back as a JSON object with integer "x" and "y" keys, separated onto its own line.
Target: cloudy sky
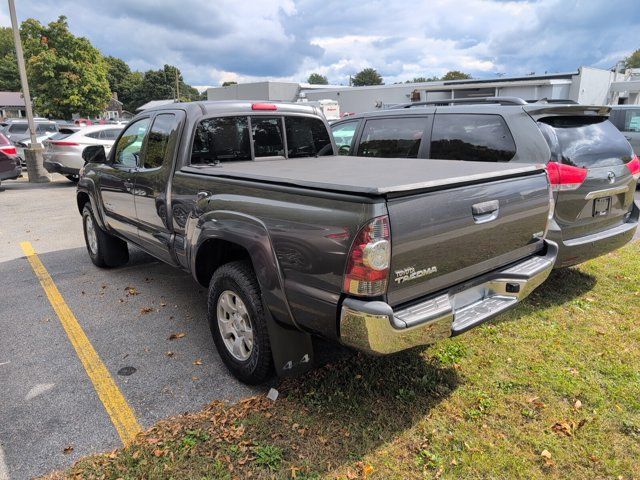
{"x": 216, "y": 40}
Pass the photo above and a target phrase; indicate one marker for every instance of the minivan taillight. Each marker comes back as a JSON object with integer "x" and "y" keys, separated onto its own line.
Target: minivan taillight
{"x": 634, "y": 167}
{"x": 565, "y": 177}
{"x": 367, "y": 270}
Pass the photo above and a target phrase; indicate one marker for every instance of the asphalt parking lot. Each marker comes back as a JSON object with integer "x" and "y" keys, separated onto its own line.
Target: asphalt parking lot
{"x": 51, "y": 412}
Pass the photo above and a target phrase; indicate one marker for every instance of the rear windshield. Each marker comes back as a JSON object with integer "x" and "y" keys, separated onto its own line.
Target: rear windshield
{"x": 228, "y": 139}
{"x": 581, "y": 141}
{"x": 60, "y": 135}
{"x": 18, "y": 128}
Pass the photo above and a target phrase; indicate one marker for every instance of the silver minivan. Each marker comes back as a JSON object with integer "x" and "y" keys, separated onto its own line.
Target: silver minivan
{"x": 627, "y": 119}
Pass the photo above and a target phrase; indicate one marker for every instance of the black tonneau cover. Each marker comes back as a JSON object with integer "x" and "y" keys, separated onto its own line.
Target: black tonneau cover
{"x": 367, "y": 176}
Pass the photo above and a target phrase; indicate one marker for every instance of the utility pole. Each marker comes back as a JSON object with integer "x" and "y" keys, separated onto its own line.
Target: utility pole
{"x": 177, "y": 87}
{"x": 33, "y": 155}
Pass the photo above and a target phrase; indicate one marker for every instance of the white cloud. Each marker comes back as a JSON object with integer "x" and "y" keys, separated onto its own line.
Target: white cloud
{"x": 227, "y": 40}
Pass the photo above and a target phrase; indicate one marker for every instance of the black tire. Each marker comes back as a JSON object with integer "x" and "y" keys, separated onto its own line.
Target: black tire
{"x": 239, "y": 278}
{"x": 109, "y": 251}
{"x": 73, "y": 178}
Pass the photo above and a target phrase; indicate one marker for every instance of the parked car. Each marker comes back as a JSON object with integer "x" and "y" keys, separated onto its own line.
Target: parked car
{"x": 63, "y": 152}
{"x": 9, "y": 162}
{"x": 26, "y": 143}
{"x": 292, "y": 241}
{"x": 591, "y": 165}
{"x": 17, "y": 130}
{"x": 627, "y": 119}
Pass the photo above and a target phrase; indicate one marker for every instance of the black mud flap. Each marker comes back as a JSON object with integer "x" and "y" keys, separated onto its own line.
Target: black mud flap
{"x": 292, "y": 349}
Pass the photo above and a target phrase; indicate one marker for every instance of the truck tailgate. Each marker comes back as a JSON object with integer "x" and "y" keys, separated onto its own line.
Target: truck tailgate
{"x": 448, "y": 236}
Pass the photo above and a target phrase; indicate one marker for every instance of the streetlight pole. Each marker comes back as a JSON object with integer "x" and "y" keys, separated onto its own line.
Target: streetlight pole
{"x": 33, "y": 154}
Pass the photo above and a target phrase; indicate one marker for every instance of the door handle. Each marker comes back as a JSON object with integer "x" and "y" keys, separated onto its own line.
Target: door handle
{"x": 485, "y": 211}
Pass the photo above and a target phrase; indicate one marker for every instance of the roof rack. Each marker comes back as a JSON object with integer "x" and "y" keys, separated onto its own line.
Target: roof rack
{"x": 448, "y": 101}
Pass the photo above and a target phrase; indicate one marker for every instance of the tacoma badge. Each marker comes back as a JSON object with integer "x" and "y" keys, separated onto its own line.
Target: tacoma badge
{"x": 410, "y": 273}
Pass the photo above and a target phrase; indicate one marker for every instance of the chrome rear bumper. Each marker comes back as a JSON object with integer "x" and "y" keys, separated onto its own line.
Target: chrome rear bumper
{"x": 374, "y": 327}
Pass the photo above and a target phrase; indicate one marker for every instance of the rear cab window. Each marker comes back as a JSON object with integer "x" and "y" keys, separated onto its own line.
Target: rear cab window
{"x": 471, "y": 137}
{"x": 245, "y": 138}
{"x": 392, "y": 137}
{"x": 585, "y": 141}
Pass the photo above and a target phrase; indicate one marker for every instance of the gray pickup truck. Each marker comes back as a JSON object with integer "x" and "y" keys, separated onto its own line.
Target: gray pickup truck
{"x": 293, "y": 241}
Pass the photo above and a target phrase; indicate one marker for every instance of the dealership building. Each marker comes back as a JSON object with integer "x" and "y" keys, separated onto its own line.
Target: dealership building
{"x": 587, "y": 85}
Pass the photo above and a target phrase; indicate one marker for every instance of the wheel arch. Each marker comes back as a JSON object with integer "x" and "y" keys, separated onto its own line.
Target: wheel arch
{"x": 226, "y": 236}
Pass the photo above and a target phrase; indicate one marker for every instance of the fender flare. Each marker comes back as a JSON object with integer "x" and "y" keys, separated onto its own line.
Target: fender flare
{"x": 251, "y": 234}
{"x": 88, "y": 188}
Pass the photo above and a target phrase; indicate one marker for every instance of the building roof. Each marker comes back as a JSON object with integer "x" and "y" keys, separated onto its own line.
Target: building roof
{"x": 154, "y": 103}
{"x": 11, "y": 99}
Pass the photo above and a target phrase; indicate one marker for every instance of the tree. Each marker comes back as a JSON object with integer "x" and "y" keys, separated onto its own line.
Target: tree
{"x": 9, "y": 77}
{"x": 633, "y": 60}
{"x": 66, "y": 73}
{"x": 317, "y": 79}
{"x": 117, "y": 73}
{"x": 228, "y": 84}
{"x": 368, "y": 76}
{"x": 455, "y": 75}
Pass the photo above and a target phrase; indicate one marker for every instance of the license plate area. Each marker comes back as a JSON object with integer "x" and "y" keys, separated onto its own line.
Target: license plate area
{"x": 601, "y": 206}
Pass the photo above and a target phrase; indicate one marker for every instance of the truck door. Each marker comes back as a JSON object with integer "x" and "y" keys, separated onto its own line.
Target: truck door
{"x": 151, "y": 181}
{"x": 117, "y": 179}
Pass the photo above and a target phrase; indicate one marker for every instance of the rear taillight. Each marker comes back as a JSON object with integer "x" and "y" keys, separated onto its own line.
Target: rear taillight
{"x": 9, "y": 150}
{"x": 565, "y": 177}
{"x": 634, "y": 167}
{"x": 369, "y": 258}
{"x": 64, "y": 144}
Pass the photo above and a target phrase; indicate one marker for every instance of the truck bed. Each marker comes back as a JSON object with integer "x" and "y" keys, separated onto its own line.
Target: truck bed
{"x": 366, "y": 176}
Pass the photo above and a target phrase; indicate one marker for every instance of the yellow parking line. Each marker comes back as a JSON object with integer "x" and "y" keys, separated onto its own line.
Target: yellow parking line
{"x": 114, "y": 402}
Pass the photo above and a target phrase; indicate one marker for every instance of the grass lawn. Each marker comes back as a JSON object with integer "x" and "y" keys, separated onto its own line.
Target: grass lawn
{"x": 549, "y": 390}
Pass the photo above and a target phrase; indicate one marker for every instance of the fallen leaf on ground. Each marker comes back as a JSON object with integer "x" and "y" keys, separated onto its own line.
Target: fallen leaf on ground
{"x": 175, "y": 336}
{"x": 564, "y": 427}
{"x": 131, "y": 291}
{"x": 546, "y": 454}
{"x": 67, "y": 450}
{"x": 145, "y": 310}
{"x": 198, "y": 361}
{"x": 578, "y": 404}
{"x": 169, "y": 354}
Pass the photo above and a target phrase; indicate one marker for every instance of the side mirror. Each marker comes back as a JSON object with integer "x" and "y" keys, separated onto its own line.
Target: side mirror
{"x": 94, "y": 154}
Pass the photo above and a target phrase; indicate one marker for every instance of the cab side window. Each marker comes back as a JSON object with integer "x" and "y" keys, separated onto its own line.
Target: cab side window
{"x": 162, "y": 140}
{"x": 130, "y": 143}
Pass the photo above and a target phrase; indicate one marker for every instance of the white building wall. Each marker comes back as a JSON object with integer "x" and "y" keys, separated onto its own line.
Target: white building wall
{"x": 591, "y": 86}
{"x": 365, "y": 99}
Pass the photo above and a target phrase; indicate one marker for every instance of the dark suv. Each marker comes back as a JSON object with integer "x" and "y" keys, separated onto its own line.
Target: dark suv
{"x": 591, "y": 165}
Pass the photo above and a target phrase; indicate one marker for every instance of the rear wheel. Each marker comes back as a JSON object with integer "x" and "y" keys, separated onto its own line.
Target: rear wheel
{"x": 104, "y": 249}
{"x": 237, "y": 322}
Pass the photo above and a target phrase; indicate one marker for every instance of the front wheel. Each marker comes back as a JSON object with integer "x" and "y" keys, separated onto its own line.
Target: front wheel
{"x": 104, "y": 249}
{"x": 237, "y": 322}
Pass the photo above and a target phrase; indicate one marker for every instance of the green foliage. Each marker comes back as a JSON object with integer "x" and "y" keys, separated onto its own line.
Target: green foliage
{"x": 317, "y": 79}
{"x": 423, "y": 79}
{"x": 451, "y": 353}
{"x": 633, "y": 60}
{"x": 455, "y": 75}
{"x": 368, "y": 76}
{"x": 228, "y": 84}
{"x": 9, "y": 77}
{"x": 67, "y": 74}
{"x": 269, "y": 456}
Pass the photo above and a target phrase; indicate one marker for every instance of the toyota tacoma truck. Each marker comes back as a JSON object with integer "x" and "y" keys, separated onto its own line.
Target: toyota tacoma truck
{"x": 293, "y": 241}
